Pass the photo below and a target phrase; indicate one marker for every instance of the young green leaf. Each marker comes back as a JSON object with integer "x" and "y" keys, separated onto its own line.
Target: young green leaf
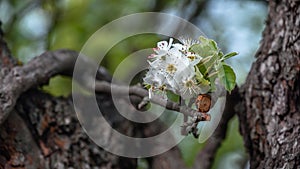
{"x": 207, "y": 64}
{"x": 220, "y": 54}
{"x": 229, "y": 55}
{"x": 200, "y": 78}
{"x": 227, "y": 77}
{"x": 207, "y": 47}
{"x": 173, "y": 97}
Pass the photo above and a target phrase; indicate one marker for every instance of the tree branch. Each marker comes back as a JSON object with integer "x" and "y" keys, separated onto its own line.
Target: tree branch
{"x": 38, "y": 71}
{"x": 102, "y": 86}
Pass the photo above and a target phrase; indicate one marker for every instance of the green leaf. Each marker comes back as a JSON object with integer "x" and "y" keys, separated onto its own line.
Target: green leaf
{"x": 147, "y": 86}
{"x": 207, "y": 64}
{"x": 207, "y": 47}
{"x": 200, "y": 78}
{"x": 173, "y": 97}
{"x": 203, "y": 83}
{"x": 229, "y": 55}
{"x": 212, "y": 78}
{"x": 227, "y": 77}
{"x": 220, "y": 54}
{"x": 213, "y": 44}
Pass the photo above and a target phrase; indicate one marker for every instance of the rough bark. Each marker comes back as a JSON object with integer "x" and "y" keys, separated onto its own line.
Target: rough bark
{"x": 43, "y": 132}
{"x": 270, "y": 121}
{"x": 38, "y": 71}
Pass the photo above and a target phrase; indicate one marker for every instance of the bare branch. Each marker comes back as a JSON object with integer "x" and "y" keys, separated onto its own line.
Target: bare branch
{"x": 102, "y": 86}
{"x": 37, "y": 71}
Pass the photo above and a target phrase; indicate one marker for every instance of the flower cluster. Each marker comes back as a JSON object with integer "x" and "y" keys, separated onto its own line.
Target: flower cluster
{"x": 188, "y": 68}
{"x": 173, "y": 67}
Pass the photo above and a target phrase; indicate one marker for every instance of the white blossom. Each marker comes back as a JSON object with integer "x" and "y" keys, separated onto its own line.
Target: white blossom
{"x": 172, "y": 67}
{"x": 162, "y": 49}
{"x": 156, "y": 79}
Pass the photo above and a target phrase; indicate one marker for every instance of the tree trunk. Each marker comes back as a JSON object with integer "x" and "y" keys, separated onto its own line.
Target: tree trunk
{"x": 270, "y": 122}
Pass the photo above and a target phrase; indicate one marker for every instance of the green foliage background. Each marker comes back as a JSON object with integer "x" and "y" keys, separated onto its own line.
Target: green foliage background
{"x": 34, "y": 26}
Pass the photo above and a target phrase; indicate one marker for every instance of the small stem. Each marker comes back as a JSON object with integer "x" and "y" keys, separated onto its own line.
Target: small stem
{"x": 185, "y": 118}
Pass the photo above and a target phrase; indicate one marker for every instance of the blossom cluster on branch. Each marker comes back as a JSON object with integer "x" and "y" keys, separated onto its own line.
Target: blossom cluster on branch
{"x": 188, "y": 69}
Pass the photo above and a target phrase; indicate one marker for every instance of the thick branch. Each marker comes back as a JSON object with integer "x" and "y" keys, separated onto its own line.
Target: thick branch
{"x": 36, "y": 72}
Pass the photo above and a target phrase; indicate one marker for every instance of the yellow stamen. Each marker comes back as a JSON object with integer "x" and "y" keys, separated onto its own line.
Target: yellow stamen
{"x": 171, "y": 68}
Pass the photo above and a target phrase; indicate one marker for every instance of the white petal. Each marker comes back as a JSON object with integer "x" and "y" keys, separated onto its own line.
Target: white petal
{"x": 170, "y": 43}
{"x": 179, "y": 46}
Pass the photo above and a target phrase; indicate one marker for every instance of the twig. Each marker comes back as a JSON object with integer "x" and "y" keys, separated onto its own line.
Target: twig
{"x": 185, "y": 118}
{"x": 102, "y": 86}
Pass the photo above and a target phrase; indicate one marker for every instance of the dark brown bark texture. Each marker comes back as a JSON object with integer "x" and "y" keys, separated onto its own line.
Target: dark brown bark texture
{"x": 43, "y": 132}
{"x": 270, "y": 122}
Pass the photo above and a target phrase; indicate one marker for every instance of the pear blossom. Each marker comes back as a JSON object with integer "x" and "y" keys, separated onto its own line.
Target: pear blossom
{"x": 156, "y": 79}
{"x": 162, "y": 48}
{"x": 190, "y": 88}
{"x": 172, "y": 67}
{"x": 187, "y": 85}
{"x": 193, "y": 58}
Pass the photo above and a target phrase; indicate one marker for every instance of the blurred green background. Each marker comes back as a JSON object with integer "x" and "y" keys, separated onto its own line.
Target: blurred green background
{"x": 34, "y": 26}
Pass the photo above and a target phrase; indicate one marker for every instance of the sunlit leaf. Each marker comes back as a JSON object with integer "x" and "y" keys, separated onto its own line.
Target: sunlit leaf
{"x": 200, "y": 78}
{"x": 207, "y": 64}
{"x": 207, "y": 47}
{"x": 227, "y": 77}
{"x": 229, "y": 55}
{"x": 173, "y": 97}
